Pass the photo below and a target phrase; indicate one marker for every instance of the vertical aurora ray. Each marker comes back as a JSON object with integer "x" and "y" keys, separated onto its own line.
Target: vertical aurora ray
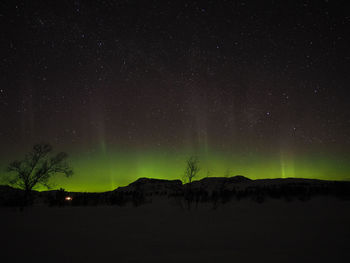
{"x": 287, "y": 165}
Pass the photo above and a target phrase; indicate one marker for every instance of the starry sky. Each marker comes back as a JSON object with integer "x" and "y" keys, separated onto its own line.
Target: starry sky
{"x": 132, "y": 88}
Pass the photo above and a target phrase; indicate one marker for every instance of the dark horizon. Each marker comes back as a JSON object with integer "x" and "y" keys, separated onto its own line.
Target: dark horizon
{"x": 276, "y": 180}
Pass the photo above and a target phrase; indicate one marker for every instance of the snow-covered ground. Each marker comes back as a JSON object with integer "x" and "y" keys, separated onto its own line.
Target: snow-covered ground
{"x": 275, "y": 231}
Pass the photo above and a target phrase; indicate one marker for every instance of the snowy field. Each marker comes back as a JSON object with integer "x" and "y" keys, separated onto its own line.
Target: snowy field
{"x": 275, "y": 231}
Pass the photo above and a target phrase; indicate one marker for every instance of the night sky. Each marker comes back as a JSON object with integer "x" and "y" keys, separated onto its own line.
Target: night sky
{"x": 132, "y": 88}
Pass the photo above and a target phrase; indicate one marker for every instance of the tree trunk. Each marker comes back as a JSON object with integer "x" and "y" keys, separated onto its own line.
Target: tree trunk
{"x": 27, "y": 197}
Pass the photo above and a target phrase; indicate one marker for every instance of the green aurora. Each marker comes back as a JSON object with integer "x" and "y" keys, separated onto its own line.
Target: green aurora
{"x": 103, "y": 167}
{"x": 106, "y": 171}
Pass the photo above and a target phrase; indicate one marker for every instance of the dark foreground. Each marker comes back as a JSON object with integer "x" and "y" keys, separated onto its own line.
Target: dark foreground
{"x": 246, "y": 231}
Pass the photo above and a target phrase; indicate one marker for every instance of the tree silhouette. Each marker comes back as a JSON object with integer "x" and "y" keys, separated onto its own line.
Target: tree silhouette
{"x": 192, "y": 169}
{"x": 37, "y": 168}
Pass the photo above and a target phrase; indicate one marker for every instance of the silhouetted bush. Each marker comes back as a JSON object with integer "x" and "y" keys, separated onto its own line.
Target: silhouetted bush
{"x": 118, "y": 199}
{"x": 259, "y": 198}
{"x": 138, "y": 198}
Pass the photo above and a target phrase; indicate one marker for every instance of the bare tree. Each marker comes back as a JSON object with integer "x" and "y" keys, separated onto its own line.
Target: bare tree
{"x": 192, "y": 169}
{"x": 37, "y": 168}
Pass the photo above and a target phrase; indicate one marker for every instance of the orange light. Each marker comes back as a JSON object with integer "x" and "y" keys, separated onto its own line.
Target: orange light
{"x": 68, "y": 198}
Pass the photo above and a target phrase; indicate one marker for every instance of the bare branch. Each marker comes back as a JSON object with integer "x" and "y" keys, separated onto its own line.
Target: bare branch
{"x": 192, "y": 169}
{"x": 37, "y": 168}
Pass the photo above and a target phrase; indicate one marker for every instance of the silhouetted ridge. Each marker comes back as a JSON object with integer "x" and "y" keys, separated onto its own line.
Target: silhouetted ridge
{"x": 6, "y": 188}
{"x": 153, "y": 186}
{"x": 217, "y": 190}
{"x": 10, "y": 196}
{"x": 145, "y": 180}
{"x": 235, "y": 179}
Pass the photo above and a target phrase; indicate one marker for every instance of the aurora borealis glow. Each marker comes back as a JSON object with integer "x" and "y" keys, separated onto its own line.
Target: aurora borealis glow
{"x": 131, "y": 90}
{"x": 102, "y": 171}
{"x": 119, "y": 169}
